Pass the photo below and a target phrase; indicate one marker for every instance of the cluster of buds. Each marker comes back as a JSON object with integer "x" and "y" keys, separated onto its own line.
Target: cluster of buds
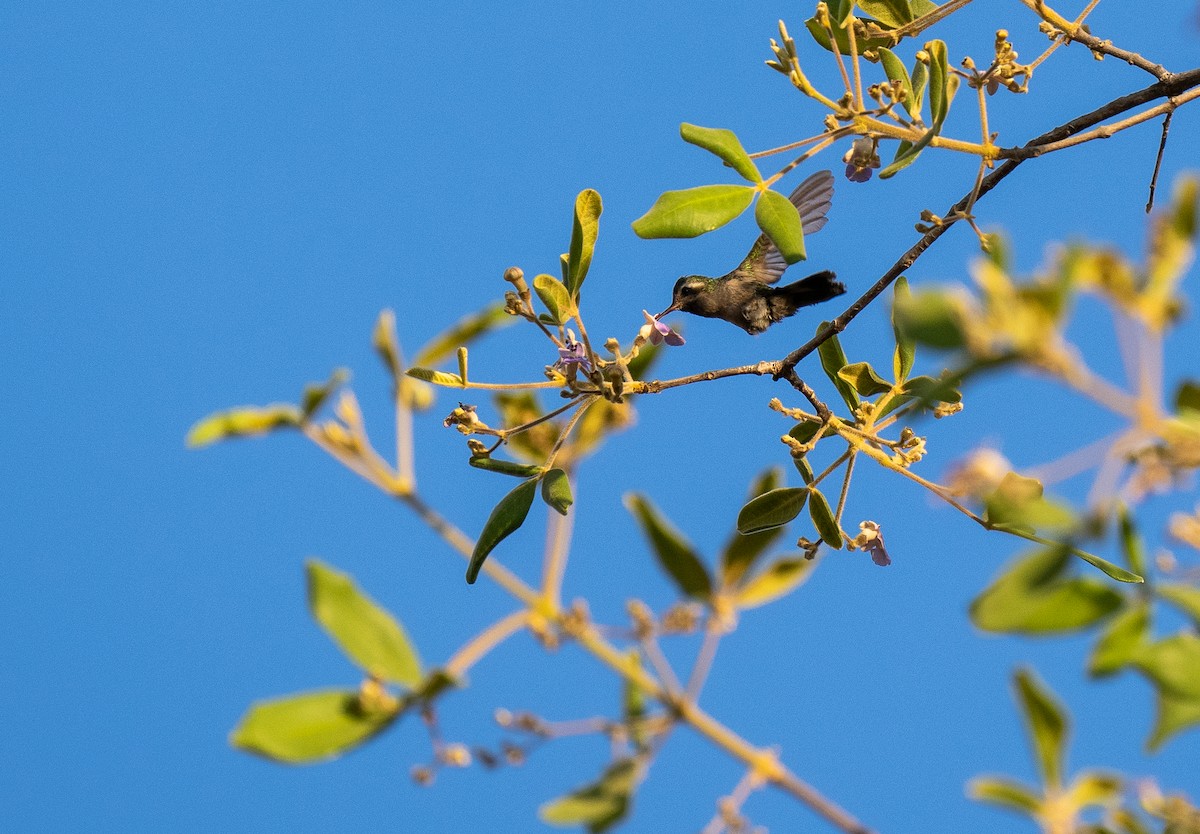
{"x": 1003, "y": 72}
{"x": 909, "y": 449}
{"x": 465, "y": 419}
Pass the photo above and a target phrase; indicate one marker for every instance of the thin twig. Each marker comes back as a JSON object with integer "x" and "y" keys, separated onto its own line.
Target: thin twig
{"x": 1162, "y": 146}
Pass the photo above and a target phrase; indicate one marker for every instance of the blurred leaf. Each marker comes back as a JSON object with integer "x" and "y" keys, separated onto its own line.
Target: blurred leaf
{"x": 1175, "y": 713}
{"x": 930, "y": 391}
{"x": 644, "y": 361}
{"x": 777, "y": 579}
{"x": 436, "y": 682}
{"x": 556, "y": 490}
{"x": 316, "y": 393}
{"x": 436, "y": 377}
{"x": 741, "y": 551}
{"x": 1047, "y": 724}
{"x": 583, "y": 239}
{"x": 674, "y": 553}
{"x": 598, "y": 806}
{"x": 1018, "y": 503}
{"x": 555, "y": 296}
{"x": 694, "y": 211}
{"x": 833, "y": 359}
{"x": 1187, "y": 398}
{"x": 906, "y": 347}
{"x": 506, "y": 519}
{"x": 366, "y": 632}
{"x": 1173, "y": 663}
{"x": 1131, "y": 542}
{"x": 1184, "y": 597}
{"x": 516, "y": 408}
{"x": 864, "y": 380}
{"x": 462, "y": 332}
{"x": 1007, "y": 793}
{"x": 780, "y": 221}
{"x": 305, "y": 728}
{"x": 1120, "y": 641}
{"x": 771, "y": 509}
{"x": 840, "y": 11}
{"x": 505, "y": 467}
{"x": 1093, "y": 787}
{"x": 823, "y": 520}
{"x": 243, "y": 422}
{"x": 383, "y": 339}
{"x": 931, "y": 317}
{"x": 725, "y": 144}
{"x": 1032, "y": 597}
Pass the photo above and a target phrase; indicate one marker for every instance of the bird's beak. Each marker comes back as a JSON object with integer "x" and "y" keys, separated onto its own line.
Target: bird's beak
{"x": 674, "y": 306}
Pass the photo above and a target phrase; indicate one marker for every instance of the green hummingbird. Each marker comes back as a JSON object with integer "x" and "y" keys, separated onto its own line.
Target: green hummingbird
{"x": 745, "y": 297}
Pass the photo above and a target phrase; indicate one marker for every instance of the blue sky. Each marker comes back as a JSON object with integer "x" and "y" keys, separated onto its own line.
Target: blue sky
{"x": 208, "y": 205}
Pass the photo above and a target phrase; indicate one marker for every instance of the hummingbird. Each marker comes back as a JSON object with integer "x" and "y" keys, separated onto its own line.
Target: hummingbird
{"x": 745, "y": 297}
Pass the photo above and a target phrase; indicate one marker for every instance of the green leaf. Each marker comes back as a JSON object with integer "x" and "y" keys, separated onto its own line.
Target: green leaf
{"x": 505, "y": 467}
{"x": 823, "y": 520}
{"x": 506, "y": 518}
{"x": 771, "y": 509}
{"x": 742, "y": 551}
{"x": 366, "y": 632}
{"x": 1120, "y": 641}
{"x": 725, "y": 144}
{"x": 305, "y": 728}
{"x": 1007, "y": 793}
{"x": 939, "y": 80}
{"x": 1131, "y": 542}
{"x": 1093, "y": 787}
{"x": 694, "y": 211}
{"x": 1175, "y": 713}
{"x": 833, "y": 359}
{"x": 780, "y": 221}
{"x": 840, "y": 11}
{"x": 891, "y": 14}
{"x": 1173, "y": 663}
{"x": 556, "y": 490}
{"x": 555, "y": 296}
{"x": 462, "y": 332}
{"x": 1187, "y": 398}
{"x": 436, "y": 377}
{"x": 1018, "y": 504}
{"x": 906, "y": 346}
{"x": 864, "y": 380}
{"x": 907, "y": 153}
{"x": 1114, "y": 571}
{"x": 920, "y": 81}
{"x": 583, "y": 239}
{"x": 598, "y": 806}
{"x": 243, "y": 422}
{"x": 779, "y": 578}
{"x": 383, "y": 339}
{"x": 674, "y": 553}
{"x": 1184, "y": 597}
{"x": 843, "y": 41}
{"x": 1047, "y": 724}
{"x": 1033, "y": 597}
{"x": 316, "y": 393}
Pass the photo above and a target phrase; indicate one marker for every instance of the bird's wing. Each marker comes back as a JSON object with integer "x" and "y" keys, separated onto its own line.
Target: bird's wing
{"x": 812, "y": 198}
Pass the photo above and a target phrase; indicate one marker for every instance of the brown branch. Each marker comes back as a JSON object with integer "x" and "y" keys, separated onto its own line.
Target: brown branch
{"x": 1173, "y": 85}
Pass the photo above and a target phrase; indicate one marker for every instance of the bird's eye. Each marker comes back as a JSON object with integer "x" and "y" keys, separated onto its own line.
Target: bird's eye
{"x": 687, "y": 289}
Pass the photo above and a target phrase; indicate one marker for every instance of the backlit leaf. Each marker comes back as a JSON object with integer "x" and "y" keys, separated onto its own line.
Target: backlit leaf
{"x": 555, "y": 296}
{"x": 906, "y": 347}
{"x": 243, "y": 422}
{"x": 583, "y": 239}
{"x": 780, "y": 221}
{"x": 693, "y": 211}
{"x": 723, "y": 143}
{"x": 306, "y": 728}
{"x": 506, "y": 518}
{"x": 1047, "y": 723}
{"x": 863, "y": 378}
{"x": 1004, "y": 792}
{"x": 774, "y": 581}
{"x": 598, "y": 806}
{"x": 674, "y": 553}
{"x": 833, "y": 359}
{"x": 462, "y": 332}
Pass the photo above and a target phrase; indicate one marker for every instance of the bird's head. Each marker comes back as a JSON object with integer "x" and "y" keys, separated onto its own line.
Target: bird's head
{"x": 687, "y": 290}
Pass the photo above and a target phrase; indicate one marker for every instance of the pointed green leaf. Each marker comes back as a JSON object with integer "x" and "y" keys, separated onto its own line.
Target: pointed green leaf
{"x": 1114, "y": 571}
{"x": 779, "y": 578}
{"x": 939, "y": 79}
{"x": 771, "y": 509}
{"x": 823, "y": 520}
{"x": 1184, "y": 597}
{"x": 804, "y": 468}
{"x": 725, "y": 144}
{"x": 1007, "y": 793}
{"x": 367, "y": 633}
{"x": 1131, "y": 542}
{"x": 555, "y": 296}
{"x": 780, "y": 221}
{"x": 1121, "y": 641}
{"x": 442, "y": 378}
{"x": 316, "y": 393}
{"x": 906, "y": 154}
{"x": 556, "y": 490}
{"x": 462, "y": 332}
{"x": 920, "y": 81}
{"x": 674, "y": 553}
{"x": 863, "y": 378}
{"x": 243, "y": 422}
{"x": 598, "y": 806}
{"x": 694, "y": 211}
{"x": 506, "y": 518}
{"x": 305, "y": 728}
{"x": 505, "y": 467}
{"x": 833, "y": 359}
{"x": 583, "y": 239}
{"x": 1175, "y": 713}
{"x": 906, "y": 346}
{"x": 1032, "y": 596}
{"x": 1173, "y": 663}
{"x": 742, "y": 551}
{"x": 896, "y": 72}
{"x": 840, "y": 11}
{"x": 383, "y": 339}
{"x": 1047, "y": 723}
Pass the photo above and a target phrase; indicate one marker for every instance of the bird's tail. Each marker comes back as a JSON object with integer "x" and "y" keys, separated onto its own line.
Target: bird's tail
{"x": 814, "y": 289}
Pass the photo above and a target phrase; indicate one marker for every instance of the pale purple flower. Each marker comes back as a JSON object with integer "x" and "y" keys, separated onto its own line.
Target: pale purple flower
{"x": 573, "y": 353}
{"x": 657, "y": 332}
{"x": 861, "y": 159}
{"x": 870, "y": 539}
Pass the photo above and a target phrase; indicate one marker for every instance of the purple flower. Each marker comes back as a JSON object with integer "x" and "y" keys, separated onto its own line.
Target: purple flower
{"x": 861, "y": 159}
{"x": 657, "y": 332}
{"x": 573, "y": 353}
{"x": 870, "y": 539}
